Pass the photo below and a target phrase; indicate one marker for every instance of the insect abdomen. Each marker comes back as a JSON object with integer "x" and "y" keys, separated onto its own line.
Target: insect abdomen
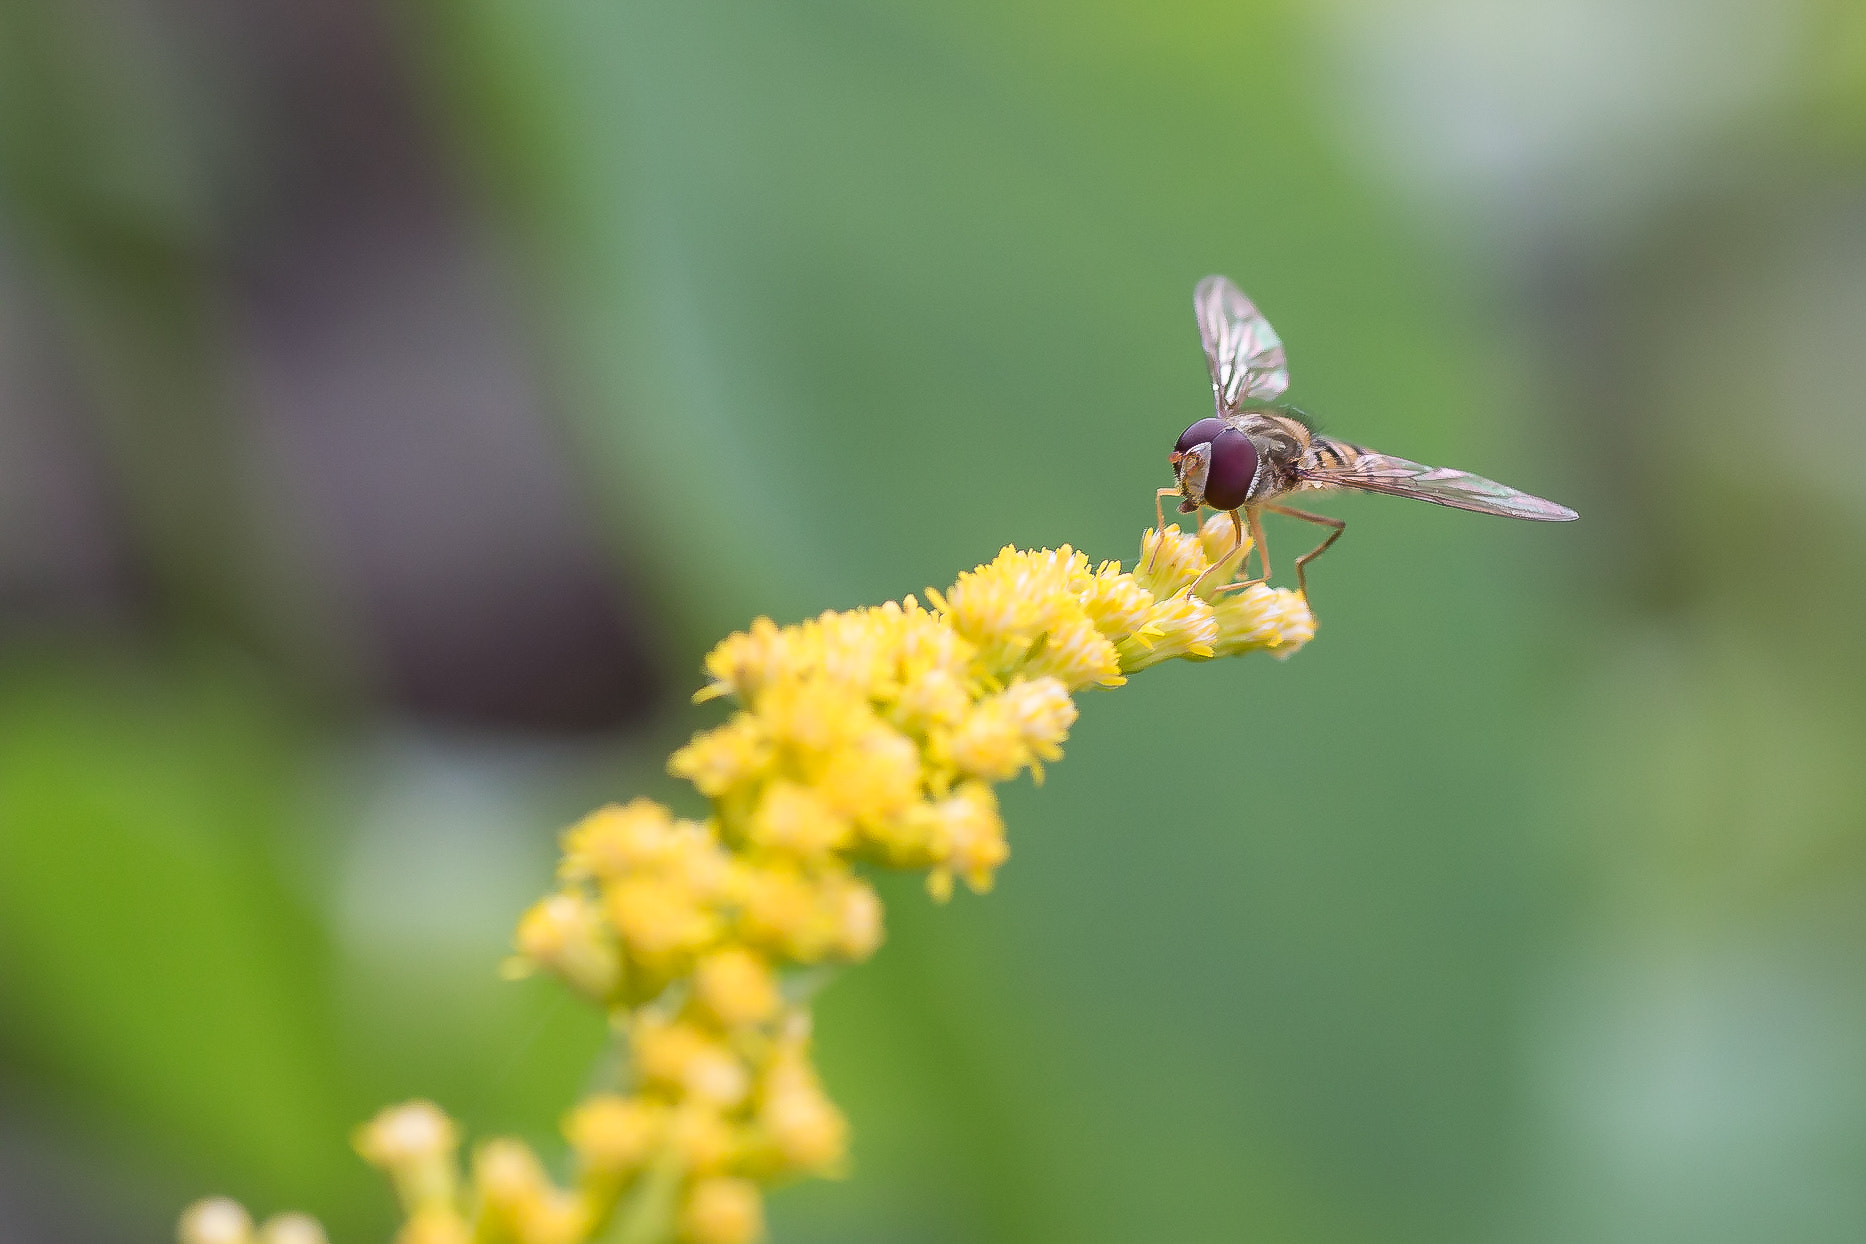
{"x": 1327, "y": 453}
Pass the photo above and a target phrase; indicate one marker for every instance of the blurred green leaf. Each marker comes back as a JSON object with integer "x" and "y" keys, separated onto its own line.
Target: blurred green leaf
{"x": 155, "y": 965}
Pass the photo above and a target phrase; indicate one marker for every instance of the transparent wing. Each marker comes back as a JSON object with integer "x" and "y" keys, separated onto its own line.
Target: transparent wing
{"x": 1245, "y": 354}
{"x": 1460, "y": 490}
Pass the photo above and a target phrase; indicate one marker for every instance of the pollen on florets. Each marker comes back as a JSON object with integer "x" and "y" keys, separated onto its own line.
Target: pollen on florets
{"x": 1170, "y": 562}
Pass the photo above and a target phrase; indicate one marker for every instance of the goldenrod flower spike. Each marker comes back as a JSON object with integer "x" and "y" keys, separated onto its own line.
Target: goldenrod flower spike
{"x": 866, "y": 738}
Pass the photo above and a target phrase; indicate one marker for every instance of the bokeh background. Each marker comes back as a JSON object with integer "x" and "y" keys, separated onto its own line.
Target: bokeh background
{"x": 397, "y": 399}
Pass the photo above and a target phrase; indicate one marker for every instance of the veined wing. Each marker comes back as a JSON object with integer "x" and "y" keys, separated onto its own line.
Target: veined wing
{"x": 1244, "y": 352}
{"x": 1372, "y": 472}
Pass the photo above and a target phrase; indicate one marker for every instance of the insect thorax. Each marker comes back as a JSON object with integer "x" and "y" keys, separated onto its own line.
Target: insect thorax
{"x": 1281, "y": 442}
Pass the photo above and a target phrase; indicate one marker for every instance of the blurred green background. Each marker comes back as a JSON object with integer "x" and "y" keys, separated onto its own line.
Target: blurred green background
{"x": 396, "y": 400}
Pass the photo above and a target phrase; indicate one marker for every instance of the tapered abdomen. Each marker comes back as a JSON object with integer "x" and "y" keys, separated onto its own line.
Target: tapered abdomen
{"x": 1325, "y": 453}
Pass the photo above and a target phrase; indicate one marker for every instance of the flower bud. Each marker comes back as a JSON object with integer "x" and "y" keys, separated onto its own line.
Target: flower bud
{"x": 1218, "y": 537}
{"x": 679, "y": 1056}
{"x": 803, "y": 1124}
{"x": 702, "y": 1140}
{"x": 722, "y": 1211}
{"x": 508, "y": 1177}
{"x": 415, "y": 1143}
{"x": 565, "y": 935}
{"x": 435, "y": 1224}
{"x": 614, "y": 1136}
{"x": 796, "y": 819}
{"x": 292, "y": 1229}
{"x": 1177, "y": 626}
{"x": 215, "y": 1220}
{"x": 858, "y": 920}
{"x": 718, "y": 761}
{"x": 519, "y": 1197}
{"x": 1169, "y": 561}
{"x": 660, "y": 920}
{"x": 736, "y": 986}
{"x": 972, "y": 834}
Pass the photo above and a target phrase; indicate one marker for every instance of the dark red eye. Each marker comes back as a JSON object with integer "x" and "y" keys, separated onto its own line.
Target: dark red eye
{"x": 1200, "y": 432}
{"x": 1234, "y": 466}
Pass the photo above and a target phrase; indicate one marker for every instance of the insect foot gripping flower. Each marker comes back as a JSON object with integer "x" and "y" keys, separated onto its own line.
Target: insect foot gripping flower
{"x": 871, "y": 738}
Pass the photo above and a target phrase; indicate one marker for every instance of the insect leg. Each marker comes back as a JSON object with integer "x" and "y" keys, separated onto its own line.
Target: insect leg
{"x": 1159, "y": 521}
{"x": 1339, "y": 525}
{"x": 1263, "y": 548}
{"x": 1237, "y": 543}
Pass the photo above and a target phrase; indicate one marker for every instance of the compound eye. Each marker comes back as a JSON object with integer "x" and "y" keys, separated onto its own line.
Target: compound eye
{"x": 1199, "y": 433}
{"x": 1233, "y": 467}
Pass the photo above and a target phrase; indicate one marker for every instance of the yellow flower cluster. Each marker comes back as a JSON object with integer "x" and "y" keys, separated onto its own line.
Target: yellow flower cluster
{"x": 871, "y": 737}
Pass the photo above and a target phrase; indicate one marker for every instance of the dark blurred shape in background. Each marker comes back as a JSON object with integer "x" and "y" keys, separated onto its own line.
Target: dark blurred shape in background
{"x": 396, "y": 401}
{"x": 272, "y": 381}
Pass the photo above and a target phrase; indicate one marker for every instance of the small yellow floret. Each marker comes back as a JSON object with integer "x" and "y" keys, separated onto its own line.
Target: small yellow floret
{"x": 559, "y": 1217}
{"x": 915, "y": 642}
{"x": 931, "y": 698}
{"x": 434, "y": 1224}
{"x": 1297, "y": 623}
{"x": 701, "y": 1139}
{"x": 1218, "y": 537}
{"x": 614, "y": 1135}
{"x": 517, "y": 1196}
{"x": 565, "y": 934}
{"x": 722, "y": 1211}
{"x": 415, "y": 1131}
{"x": 508, "y": 1176}
{"x": 678, "y": 1056}
{"x": 415, "y": 1143}
{"x": 797, "y": 819}
{"x": 292, "y": 1229}
{"x": 858, "y": 919}
{"x": 743, "y": 663}
{"x": 1005, "y": 607}
{"x": 661, "y": 921}
{"x": 1170, "y": 562}
{"x": 615, "y": 840}
{"x": 874, "y": 776}
{"x": 1259, "y": 617}
{"x": 811, "y": 718}
{"x": 1013, "y": 730}
{"x": 1044, "y": 713}
{"x": 1076, "y": 653}
{"x": 1115, "y": 602}
{"x": 779, "y": 910}
{"x": 721, "y": 759}
{"x": 810, "y": 917}
{"x": 215, "y": 1220}
{"x": 802, "y": 1124}
{"x": 509, "y": 1180}
{"x": 736, "y": 986}
{"x": 1179, "y": 626}
{"x": 973, "y": 835}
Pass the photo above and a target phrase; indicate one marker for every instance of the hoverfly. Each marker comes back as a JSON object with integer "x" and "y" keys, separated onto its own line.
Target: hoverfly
{"x": 1253, "y": 450}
